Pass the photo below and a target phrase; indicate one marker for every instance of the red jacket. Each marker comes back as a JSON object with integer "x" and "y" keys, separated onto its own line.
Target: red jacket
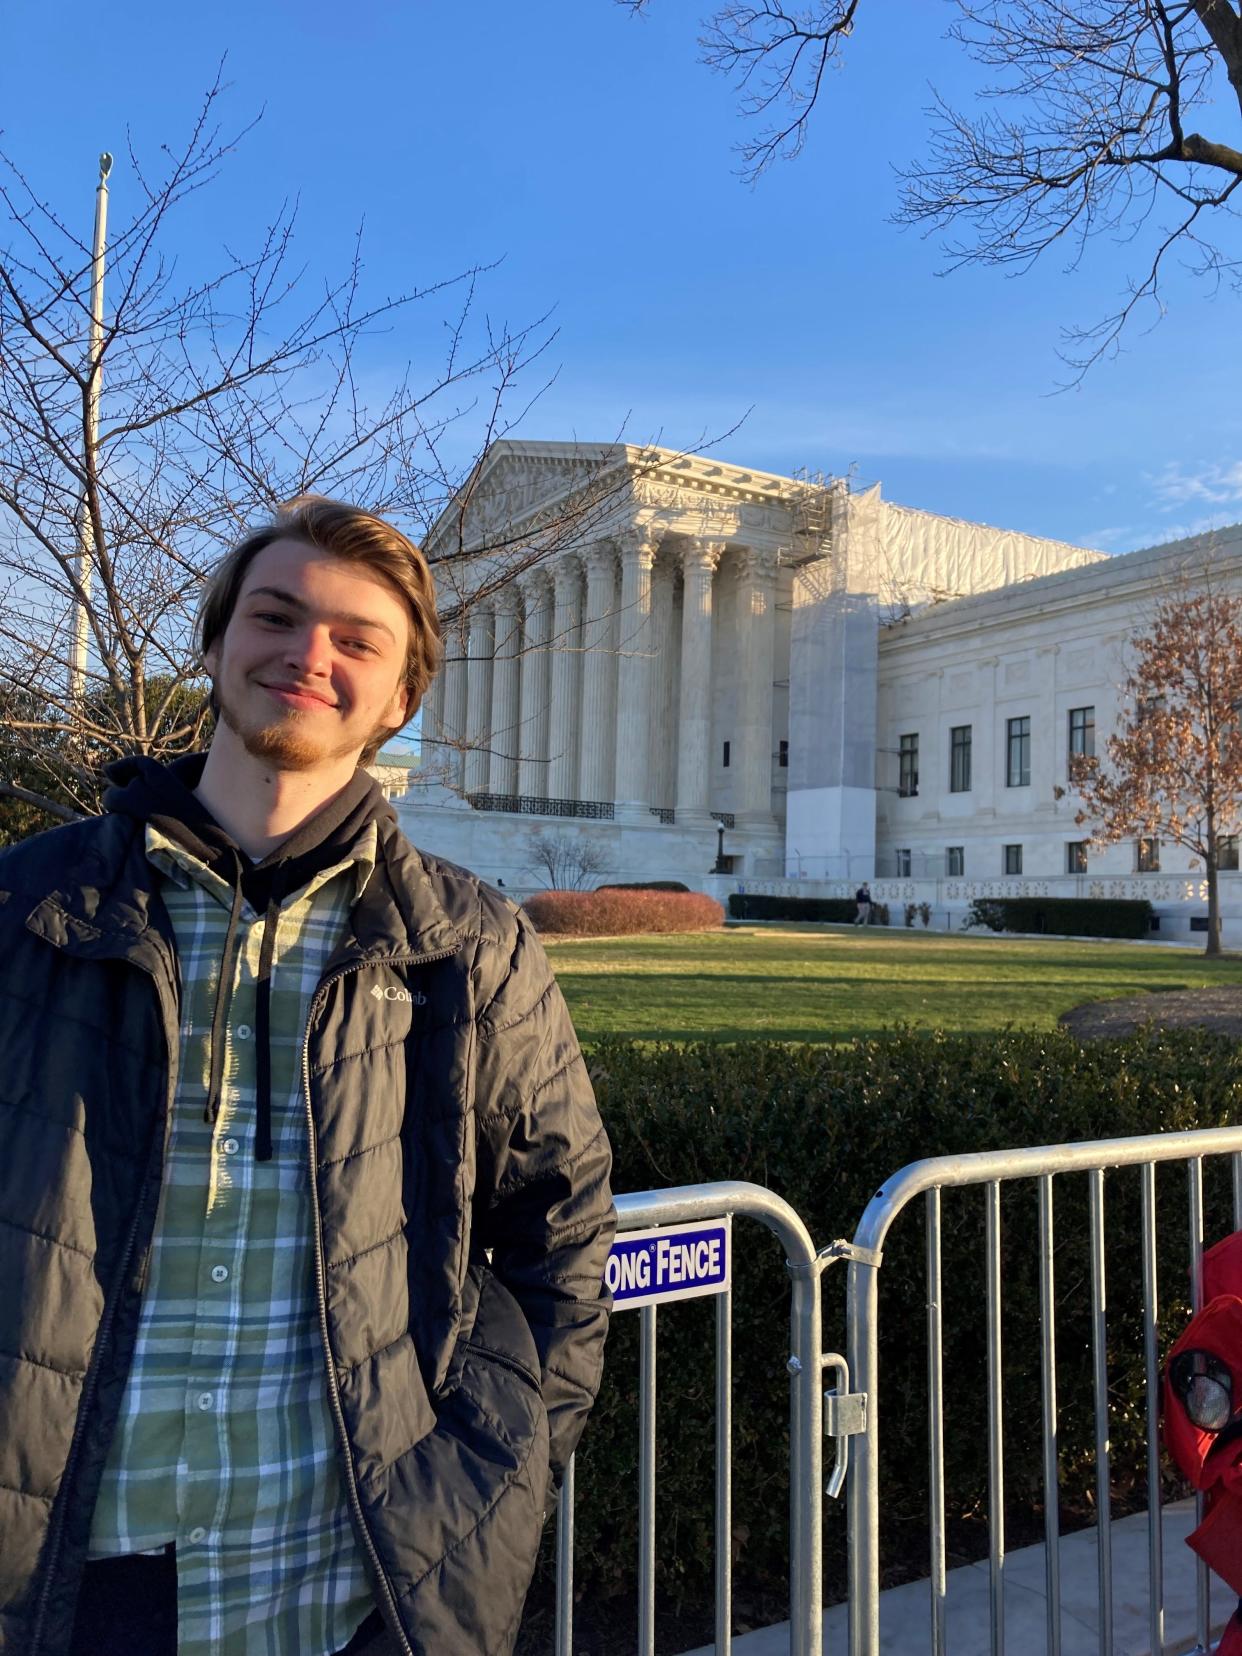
{"x": 1212, "y": 1460}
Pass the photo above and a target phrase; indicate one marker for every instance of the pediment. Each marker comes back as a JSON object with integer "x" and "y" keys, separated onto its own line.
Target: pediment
{"x": 517, "y": 489}
{"x": 520, "y": 487}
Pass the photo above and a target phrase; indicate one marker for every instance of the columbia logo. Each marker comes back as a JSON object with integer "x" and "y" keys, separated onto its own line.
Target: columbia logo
{"x": 393, "y": 993}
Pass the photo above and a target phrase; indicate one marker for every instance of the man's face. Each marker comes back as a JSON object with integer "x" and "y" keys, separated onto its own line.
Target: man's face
{"x": 312, "y": 663}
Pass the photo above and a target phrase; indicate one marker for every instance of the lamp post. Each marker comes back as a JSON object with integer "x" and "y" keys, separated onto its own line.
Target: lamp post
{"x": 720, "y": 856}
{"x": 80, "y": 631}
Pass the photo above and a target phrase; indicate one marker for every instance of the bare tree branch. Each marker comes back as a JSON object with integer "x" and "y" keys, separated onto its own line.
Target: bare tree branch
{"x": 1113, "y": 118}
{"x": 778, "y": 56}
{"x": 220, "y": 398}
{"x": 62, "y": 813}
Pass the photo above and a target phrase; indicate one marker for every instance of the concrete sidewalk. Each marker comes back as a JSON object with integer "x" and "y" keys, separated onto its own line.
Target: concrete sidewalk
{"x": 905, "y": 1613}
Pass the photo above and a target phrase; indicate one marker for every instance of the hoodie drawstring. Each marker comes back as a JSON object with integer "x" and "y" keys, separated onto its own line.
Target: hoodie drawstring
{"x": 220, "y": 1013}
{"x": 262, "y": 1013}
{"x": 262, "y": 1025}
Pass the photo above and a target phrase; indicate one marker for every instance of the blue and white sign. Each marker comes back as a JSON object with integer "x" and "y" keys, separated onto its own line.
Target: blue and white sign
{"x": 675, "y": 1262}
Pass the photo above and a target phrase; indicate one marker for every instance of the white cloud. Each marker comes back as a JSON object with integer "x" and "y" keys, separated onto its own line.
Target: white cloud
{"x": 1202, "y": 525}
{"x": 1216, "y": 485}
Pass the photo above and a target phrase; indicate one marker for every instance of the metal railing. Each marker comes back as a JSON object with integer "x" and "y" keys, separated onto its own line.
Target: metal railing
{"x": 596, "y": 810}
{"x": 682, "y": 1205}
{"x": 991, "y": 1169}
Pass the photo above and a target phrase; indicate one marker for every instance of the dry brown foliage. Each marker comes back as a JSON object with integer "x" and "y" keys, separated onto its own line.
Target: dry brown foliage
{"x": 613, "y": 913}
{"x": 1174, "y": 766}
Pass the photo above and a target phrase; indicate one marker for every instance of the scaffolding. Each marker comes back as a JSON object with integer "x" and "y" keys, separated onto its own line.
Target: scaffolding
{"x": 810, "y": 502}
{"x": 809, "y": 497}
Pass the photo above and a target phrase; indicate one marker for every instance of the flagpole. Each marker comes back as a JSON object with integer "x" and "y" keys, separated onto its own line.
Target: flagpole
{"x": 86, "y": 532}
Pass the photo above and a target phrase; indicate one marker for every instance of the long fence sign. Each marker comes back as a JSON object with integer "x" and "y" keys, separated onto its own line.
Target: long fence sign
{"x": 675, "y": 1262}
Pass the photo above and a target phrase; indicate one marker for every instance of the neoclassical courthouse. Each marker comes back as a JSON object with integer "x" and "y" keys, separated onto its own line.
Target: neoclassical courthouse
{"x": 717, "y": 675}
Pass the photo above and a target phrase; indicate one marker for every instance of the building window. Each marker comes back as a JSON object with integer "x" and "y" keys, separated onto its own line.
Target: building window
{"x": 908, "y": 780}
{"x": 1227, "y": 852}
{"x": 1147, "y": 859}
{"x": 959, "y": 759}
{"x": 1082, "y": 732}
{"x": 902, "y": 859}
{"x": 1147, "y": 705}
{"x": 1018, "y": 750}
{"x": 1076, "y": 857}
{"x": 726, "y": 756}
{"x": 1013, "y": 859}
{"x": 955, "y": 859}
{"x": 783, "y": 755}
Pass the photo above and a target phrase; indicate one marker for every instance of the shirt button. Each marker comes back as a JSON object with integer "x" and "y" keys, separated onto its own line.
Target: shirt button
{"x": 219, "y": 1273}
{"x": 243, "y": 1032}
{"x": 204, "y": 1400}
{"x": 230, "y": 1147}
{"x": 198, "y": 1534}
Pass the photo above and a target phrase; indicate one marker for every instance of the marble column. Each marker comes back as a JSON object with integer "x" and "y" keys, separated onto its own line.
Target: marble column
{"x": 694, "y": 724}
{"x": 536, "y": 684}
{"x": 634, "y": 675}
{"x": 757, "y": 642}
{"x": 1048, "y": 740}
{"x": 478, "y": 698}
{"x": 506, "y": 666}
{"x": 453, "y": 718}
{"x": 988, "y": 757}
{"x": 661, "y": 725}
{"x": 431, "y": 718}
{"x": 612, "y": 646}
{"x": 566, "y": 675}
{"x": 595, "y": 776}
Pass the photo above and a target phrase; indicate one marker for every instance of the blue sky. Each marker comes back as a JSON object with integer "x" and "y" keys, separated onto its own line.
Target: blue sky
{"x": 592, "y": 155}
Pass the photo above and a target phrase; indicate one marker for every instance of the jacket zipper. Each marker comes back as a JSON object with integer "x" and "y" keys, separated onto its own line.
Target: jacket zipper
{"x": 334, "y": 1393}
{"x": 92, "y": 1373}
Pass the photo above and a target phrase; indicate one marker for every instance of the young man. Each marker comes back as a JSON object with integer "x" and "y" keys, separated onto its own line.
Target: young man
{"x": 863, "y": 898}
{"x": 304, "y": 1197}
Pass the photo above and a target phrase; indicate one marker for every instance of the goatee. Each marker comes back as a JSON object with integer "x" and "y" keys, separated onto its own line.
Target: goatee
{"x": 285, "y": 744}
{"x": 281, "y": 743}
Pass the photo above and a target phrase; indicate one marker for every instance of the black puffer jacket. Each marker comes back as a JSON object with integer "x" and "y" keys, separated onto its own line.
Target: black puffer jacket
{"x": 450, "y": 1113}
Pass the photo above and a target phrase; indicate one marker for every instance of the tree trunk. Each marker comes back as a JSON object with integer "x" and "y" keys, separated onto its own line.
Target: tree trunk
{"x": 1212, "y": 947}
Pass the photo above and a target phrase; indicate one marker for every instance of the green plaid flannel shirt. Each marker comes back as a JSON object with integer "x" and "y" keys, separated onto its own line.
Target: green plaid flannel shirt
{"x": 225, "y": 1444}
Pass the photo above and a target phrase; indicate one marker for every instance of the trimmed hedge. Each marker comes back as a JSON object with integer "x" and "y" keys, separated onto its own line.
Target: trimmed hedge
{"x": 645, "y": 885}
{"x": 1064, "y": 916}
{"x": 744, "y": 905}
{"x": 614, "y": 911}
{"x": 823, "y": 1126}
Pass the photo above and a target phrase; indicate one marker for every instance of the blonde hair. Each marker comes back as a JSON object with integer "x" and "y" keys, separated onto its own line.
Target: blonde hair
{"x": 354, "y": 536}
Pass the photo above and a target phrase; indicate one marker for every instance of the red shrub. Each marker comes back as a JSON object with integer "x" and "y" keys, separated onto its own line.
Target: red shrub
{"x": 611, "y": 912}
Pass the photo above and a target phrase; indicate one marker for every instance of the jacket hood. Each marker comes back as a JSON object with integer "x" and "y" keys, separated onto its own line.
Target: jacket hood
{"x": 163, "y": 795}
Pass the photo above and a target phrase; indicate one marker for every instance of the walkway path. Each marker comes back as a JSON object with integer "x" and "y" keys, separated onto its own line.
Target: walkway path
{"x": 905, "y": 1625}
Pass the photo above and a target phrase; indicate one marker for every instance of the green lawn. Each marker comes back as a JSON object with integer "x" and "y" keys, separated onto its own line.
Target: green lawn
{"x": 823, "y": 983}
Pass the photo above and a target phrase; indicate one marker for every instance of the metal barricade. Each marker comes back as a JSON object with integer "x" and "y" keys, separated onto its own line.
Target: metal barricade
{"x": 990, "y": 1170}
{"x": 684, "y": 1205}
